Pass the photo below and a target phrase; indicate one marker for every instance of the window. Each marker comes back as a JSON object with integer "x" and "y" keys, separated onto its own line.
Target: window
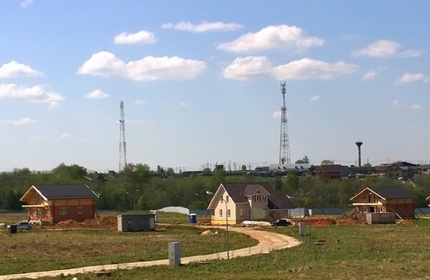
{"x": 220, "y": 212}
{"x": 228, "y": 212}
{"x": 241, "y": 212}
{"x": 63, "y": 211}
{"x": 79, "y": 210}
{"x": 226, "y": 198}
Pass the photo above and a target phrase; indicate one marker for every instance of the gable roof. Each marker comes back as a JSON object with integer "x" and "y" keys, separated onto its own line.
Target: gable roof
{"x": 70, "y": 191}
{"x": 387, "y": 192}
{"x": 239, "y": 193}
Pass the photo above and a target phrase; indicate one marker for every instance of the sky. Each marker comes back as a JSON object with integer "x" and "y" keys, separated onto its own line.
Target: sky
{"x": 200, "y": 82}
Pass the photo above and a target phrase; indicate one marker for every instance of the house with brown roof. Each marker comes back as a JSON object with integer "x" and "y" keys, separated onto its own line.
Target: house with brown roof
{"x": 385, "y": 199}
{"x": 234, "y": 203}
{"x": 56, "y": 203}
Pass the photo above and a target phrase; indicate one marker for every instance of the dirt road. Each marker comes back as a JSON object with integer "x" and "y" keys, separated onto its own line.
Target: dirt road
{"x": 268, "y": 241}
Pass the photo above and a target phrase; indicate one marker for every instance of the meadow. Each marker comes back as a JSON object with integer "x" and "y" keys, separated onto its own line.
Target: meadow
{"x": 398, "y": 251}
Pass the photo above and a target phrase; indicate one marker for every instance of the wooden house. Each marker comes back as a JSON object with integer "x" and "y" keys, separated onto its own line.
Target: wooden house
{"x": 234, "y": 203}
{"x": 385, "y": 199}
{"x": 56, "y": 203}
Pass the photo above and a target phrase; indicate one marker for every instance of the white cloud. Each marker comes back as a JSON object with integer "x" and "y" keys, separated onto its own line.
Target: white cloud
{"x": 407, "y": 78}
{"x": 15, "y": 69}
{"x": 183, "y": 104}
{"x": 243, "y": 68}
{"x": 26, "y": 3}
{"x": 412, "y": 53}
{"x": 96, "y": 94}
{"x": 65, "y": 136}
{"x": 400, "y": 105}
{"x": 371, "y": 75}
{"x": 20, "y": 122}
{"x": 306, "y": 68}
{"x": 36, "y": 94}
{"x": 281, "y": 37}
{"x": 277, "y": 115}
{"x": 141, "y": 37}
{"x": 415, "y": 107}
{"x": 202, "y": 27}
{"x": 149, "y": 68}
{"x": 139, "y": 102}
{"x": 315, "y": 98}
{"x": 396, "y": 104}
{"x": 386, "y": 48}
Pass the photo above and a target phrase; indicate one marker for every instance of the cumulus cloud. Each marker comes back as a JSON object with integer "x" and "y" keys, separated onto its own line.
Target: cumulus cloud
{"x": 202, "y": 27}
{"x": 371, "y": 75}
{"x": 149, "y": 68}
{"x": 140, "y": 102}
{"x": 96, "y": 94}
{"x": 386, "y": 48}
{"x": 26, "y": 3}
{"x": 399, "y": 105}
{"x": 15, "y": 69}
{"x": 36, "y": 94}
{"x": 243, "y": 68}
{"x": 141, "y": 37}
{"x": 408, "y": 78}
{"x": 306, "y": 68}
{"x": 65, "y": 136}
{"x": 277, "y": 115}
{"x": 20, "y": 122}
{"x": 281, "y": 37}
{"x": 315, "y": 98}
{"x": 415, "y": 107}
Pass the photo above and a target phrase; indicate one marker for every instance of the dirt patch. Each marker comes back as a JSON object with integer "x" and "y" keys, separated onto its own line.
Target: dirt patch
{"x": 102, "y": 222}
{"x": 352, "y": 217}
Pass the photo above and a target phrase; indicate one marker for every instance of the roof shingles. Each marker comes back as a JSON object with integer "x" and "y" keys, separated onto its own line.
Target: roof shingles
{"x": 52, "y": 192}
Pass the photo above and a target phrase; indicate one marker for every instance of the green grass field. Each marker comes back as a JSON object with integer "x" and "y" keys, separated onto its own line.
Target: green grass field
{"x": 400, "y": 251}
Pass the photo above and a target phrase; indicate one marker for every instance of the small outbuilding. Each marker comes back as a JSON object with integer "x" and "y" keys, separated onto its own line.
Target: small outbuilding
{"x": 56, "y": 203}
{"x": 384, "y": 200}
{"x": 136, "y": 222}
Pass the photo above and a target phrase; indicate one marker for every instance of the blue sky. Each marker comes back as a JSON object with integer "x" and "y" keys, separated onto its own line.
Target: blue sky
{"x": 200, "y": 82}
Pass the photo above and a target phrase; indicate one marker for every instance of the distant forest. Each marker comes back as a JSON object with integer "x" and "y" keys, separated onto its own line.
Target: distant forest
{"x": 139, "y": 188}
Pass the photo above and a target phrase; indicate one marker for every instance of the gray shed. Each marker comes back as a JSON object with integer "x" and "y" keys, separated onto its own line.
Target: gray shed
{"x": 136, "y": 222}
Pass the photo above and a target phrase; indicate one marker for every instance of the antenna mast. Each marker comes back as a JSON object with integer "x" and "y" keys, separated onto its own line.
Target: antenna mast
{"x": 284, "y": 148}
{"x": 122, "y": 149}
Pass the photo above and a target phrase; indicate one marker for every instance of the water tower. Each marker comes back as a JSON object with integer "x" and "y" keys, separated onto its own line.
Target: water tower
{"x": 359, "y": 143}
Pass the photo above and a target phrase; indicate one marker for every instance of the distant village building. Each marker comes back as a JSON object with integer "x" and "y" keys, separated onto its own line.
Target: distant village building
{"x": 399, "y": 170}
{"x": 328, "y": 172}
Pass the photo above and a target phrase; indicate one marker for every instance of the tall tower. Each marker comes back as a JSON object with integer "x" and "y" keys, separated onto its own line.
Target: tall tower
{"x": 122, "y": 149}
{"x": 284, "y": 147}
{"x": 359, "y": 143}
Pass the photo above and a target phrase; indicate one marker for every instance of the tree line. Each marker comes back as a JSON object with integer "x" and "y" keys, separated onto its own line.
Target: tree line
{"x": 139, "y": 188}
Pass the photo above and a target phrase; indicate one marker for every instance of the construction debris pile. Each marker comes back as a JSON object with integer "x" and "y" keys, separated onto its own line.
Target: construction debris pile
{"x": 101, "y": 222}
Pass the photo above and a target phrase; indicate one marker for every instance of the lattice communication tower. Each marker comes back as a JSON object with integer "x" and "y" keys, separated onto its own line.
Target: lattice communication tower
{"x": 284, "y": 147}
{"x": 122, "y": 146}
